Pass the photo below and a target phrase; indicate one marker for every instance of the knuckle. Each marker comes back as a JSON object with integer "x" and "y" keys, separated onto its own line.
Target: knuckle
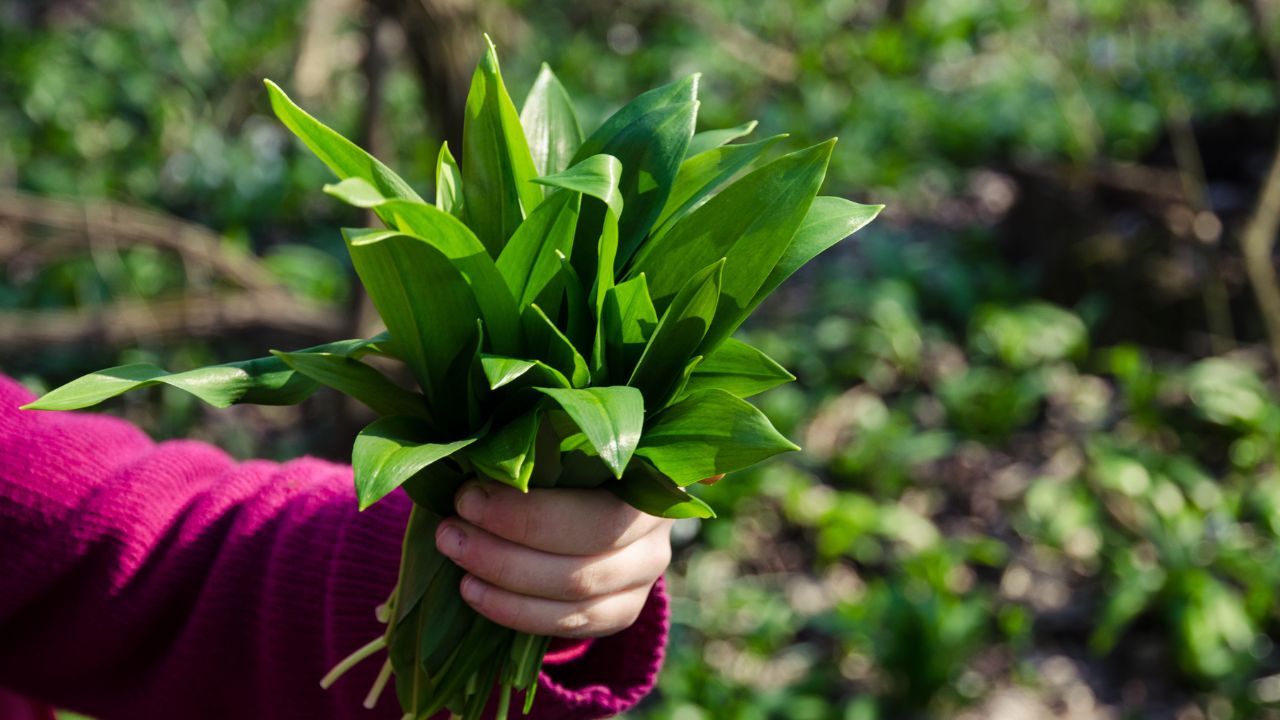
{"x": 583, "y": 582}
{"x": 617, "y": 529}
{"x": 578, "y": 623}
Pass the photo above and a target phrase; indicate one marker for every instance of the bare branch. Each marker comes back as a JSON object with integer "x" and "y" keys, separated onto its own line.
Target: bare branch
{"x": 128, "y": 225}
{"x": 193, "y": 316}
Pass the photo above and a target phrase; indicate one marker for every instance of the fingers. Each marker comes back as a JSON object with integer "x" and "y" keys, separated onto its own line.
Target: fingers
{"x": 558, "y": 520}
{"x": 526, "y": 571}
{"x": 592, "y": 618}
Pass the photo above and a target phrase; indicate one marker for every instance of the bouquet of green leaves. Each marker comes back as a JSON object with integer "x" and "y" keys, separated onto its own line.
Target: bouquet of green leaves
{"x": 566, "y": 308}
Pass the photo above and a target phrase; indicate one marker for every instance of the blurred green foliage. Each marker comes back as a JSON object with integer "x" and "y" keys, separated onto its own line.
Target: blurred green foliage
{"x": 989, "y": 507}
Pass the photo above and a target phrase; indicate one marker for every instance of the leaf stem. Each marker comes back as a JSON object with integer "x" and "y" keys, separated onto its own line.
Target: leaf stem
{"x": 379, "y": 685}
{"x": 351, "y": 660}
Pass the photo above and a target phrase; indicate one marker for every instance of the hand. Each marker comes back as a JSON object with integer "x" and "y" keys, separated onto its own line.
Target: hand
{"x": 560, "y": 562}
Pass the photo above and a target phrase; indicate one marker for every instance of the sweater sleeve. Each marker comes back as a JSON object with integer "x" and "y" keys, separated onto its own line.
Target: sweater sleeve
{"x": 142, "y": 579}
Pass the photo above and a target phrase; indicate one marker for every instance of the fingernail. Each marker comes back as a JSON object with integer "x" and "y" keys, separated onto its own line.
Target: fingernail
{"x": 471, "y": 589}
{"x": 470, "y": 503}
{"x": 450, "y": 540}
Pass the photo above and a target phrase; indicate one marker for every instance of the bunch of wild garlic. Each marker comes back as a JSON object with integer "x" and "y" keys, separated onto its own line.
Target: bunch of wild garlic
{"x": 566, "y": 307}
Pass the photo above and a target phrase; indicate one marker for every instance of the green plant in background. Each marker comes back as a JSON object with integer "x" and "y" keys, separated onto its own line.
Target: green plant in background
{"x": 565, "y": 308}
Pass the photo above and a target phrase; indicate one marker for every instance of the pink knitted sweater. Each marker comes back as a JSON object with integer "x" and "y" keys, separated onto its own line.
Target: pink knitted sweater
{"x": 164, "y": 580}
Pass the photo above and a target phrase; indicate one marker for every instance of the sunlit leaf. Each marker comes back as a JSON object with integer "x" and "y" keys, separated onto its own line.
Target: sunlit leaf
{"x": 550, "y": 124}
{"x": 708, "y": 433}
{"x": 342, "y": 156}
{"x": 354, "y": 378}
{"x": 497, "y": 168}
{"x": 678, "y": 336}
{"x": 262, "y": 381}
{"x": 750, "y": 223}
{"x": 738, "y": 368}
{"x": 610, "y": 417}
{"x": 389, "y": 451}
{"x": 708, "y": 139}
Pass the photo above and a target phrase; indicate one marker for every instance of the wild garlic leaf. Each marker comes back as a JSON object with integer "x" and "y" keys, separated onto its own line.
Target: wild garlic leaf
{"x": 548, "y": 343}
{"x": 352, "y": 377}
{"x": 705, "y": 173}
{"x": 342, "y": 156}
{"x": 448, "y": 235}
{"x": 709, "y": 139}
{"x": 829, "y": 220}
{"x": 503, "y": 371}
{"x": 529, "y": 264}
{"x": 625, "y": 135}
{"x": 650, "y": 150}
{"x": 649, "y": 491}
{"x": 389, "y": 451}
{"x": 750, "y": 223}
{"x": 261, "y": 381}
{"x": 627, "y": 322}
{"x": 708, "y": 433}
{"x": 550, "y": 123}
{"x": 683, "y": 383}
{"x": 427, "y": 304}
{"x": 496, "y": 164}
{"x": 448, "y": 182}
{"x": 598, "y": 176}
{"x": 506, "y": 454}
{"x": 739, "y": 369}
{"x": 678, "y": 336}
{"x": 611, "y": 417}
{"x": 578, "y": 317}
{"x": 684, "y": 90}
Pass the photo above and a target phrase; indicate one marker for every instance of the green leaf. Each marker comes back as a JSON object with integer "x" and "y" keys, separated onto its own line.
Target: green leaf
{"x": 829, "y": 220}
{"x": 548, "y": 343}
{"x": 678, "y": 336}
{"x": 577, "y": 315}
{"x": 738, "y": 368}
{"x": 448, "y": 182}
{"x": 354, "y": 378}
{"x": 631, "y": 135}
{"x": 502, "y": 371}
{"x": 611, "y": 418}
{"x": 703, "y": 174}
{"x": 448, "y": 235}
{"x": 679, "y": 92}
{"x": 708, "y": 433}
{"x": 389, "y": 451}
{"x": 342, "y": 156}
{"x": 650, "y": 150}
{"x": 428, "y": 307}
{"x": 496, "y": 163}
{"x": 683, "y": 383}
{"x": 529, "y": 264}
{"x": 750, "y": 223}
{"x": 419, "y": 568}
{"x": 627, "y": 322}
{"x": 597, "y": 176}
{"x": 507, "y": 454}
{"x": 648, "y": 490}
{"x": 550, "y": 124}
{"x": 708, "y": 139}
{"x": 261, "y": 381}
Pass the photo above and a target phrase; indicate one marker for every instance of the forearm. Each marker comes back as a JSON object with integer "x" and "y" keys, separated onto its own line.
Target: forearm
{"x": 138, "y": 579}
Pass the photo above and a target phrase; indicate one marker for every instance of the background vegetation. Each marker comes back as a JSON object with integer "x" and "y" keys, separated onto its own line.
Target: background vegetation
{"x": 1037, "y": 399}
